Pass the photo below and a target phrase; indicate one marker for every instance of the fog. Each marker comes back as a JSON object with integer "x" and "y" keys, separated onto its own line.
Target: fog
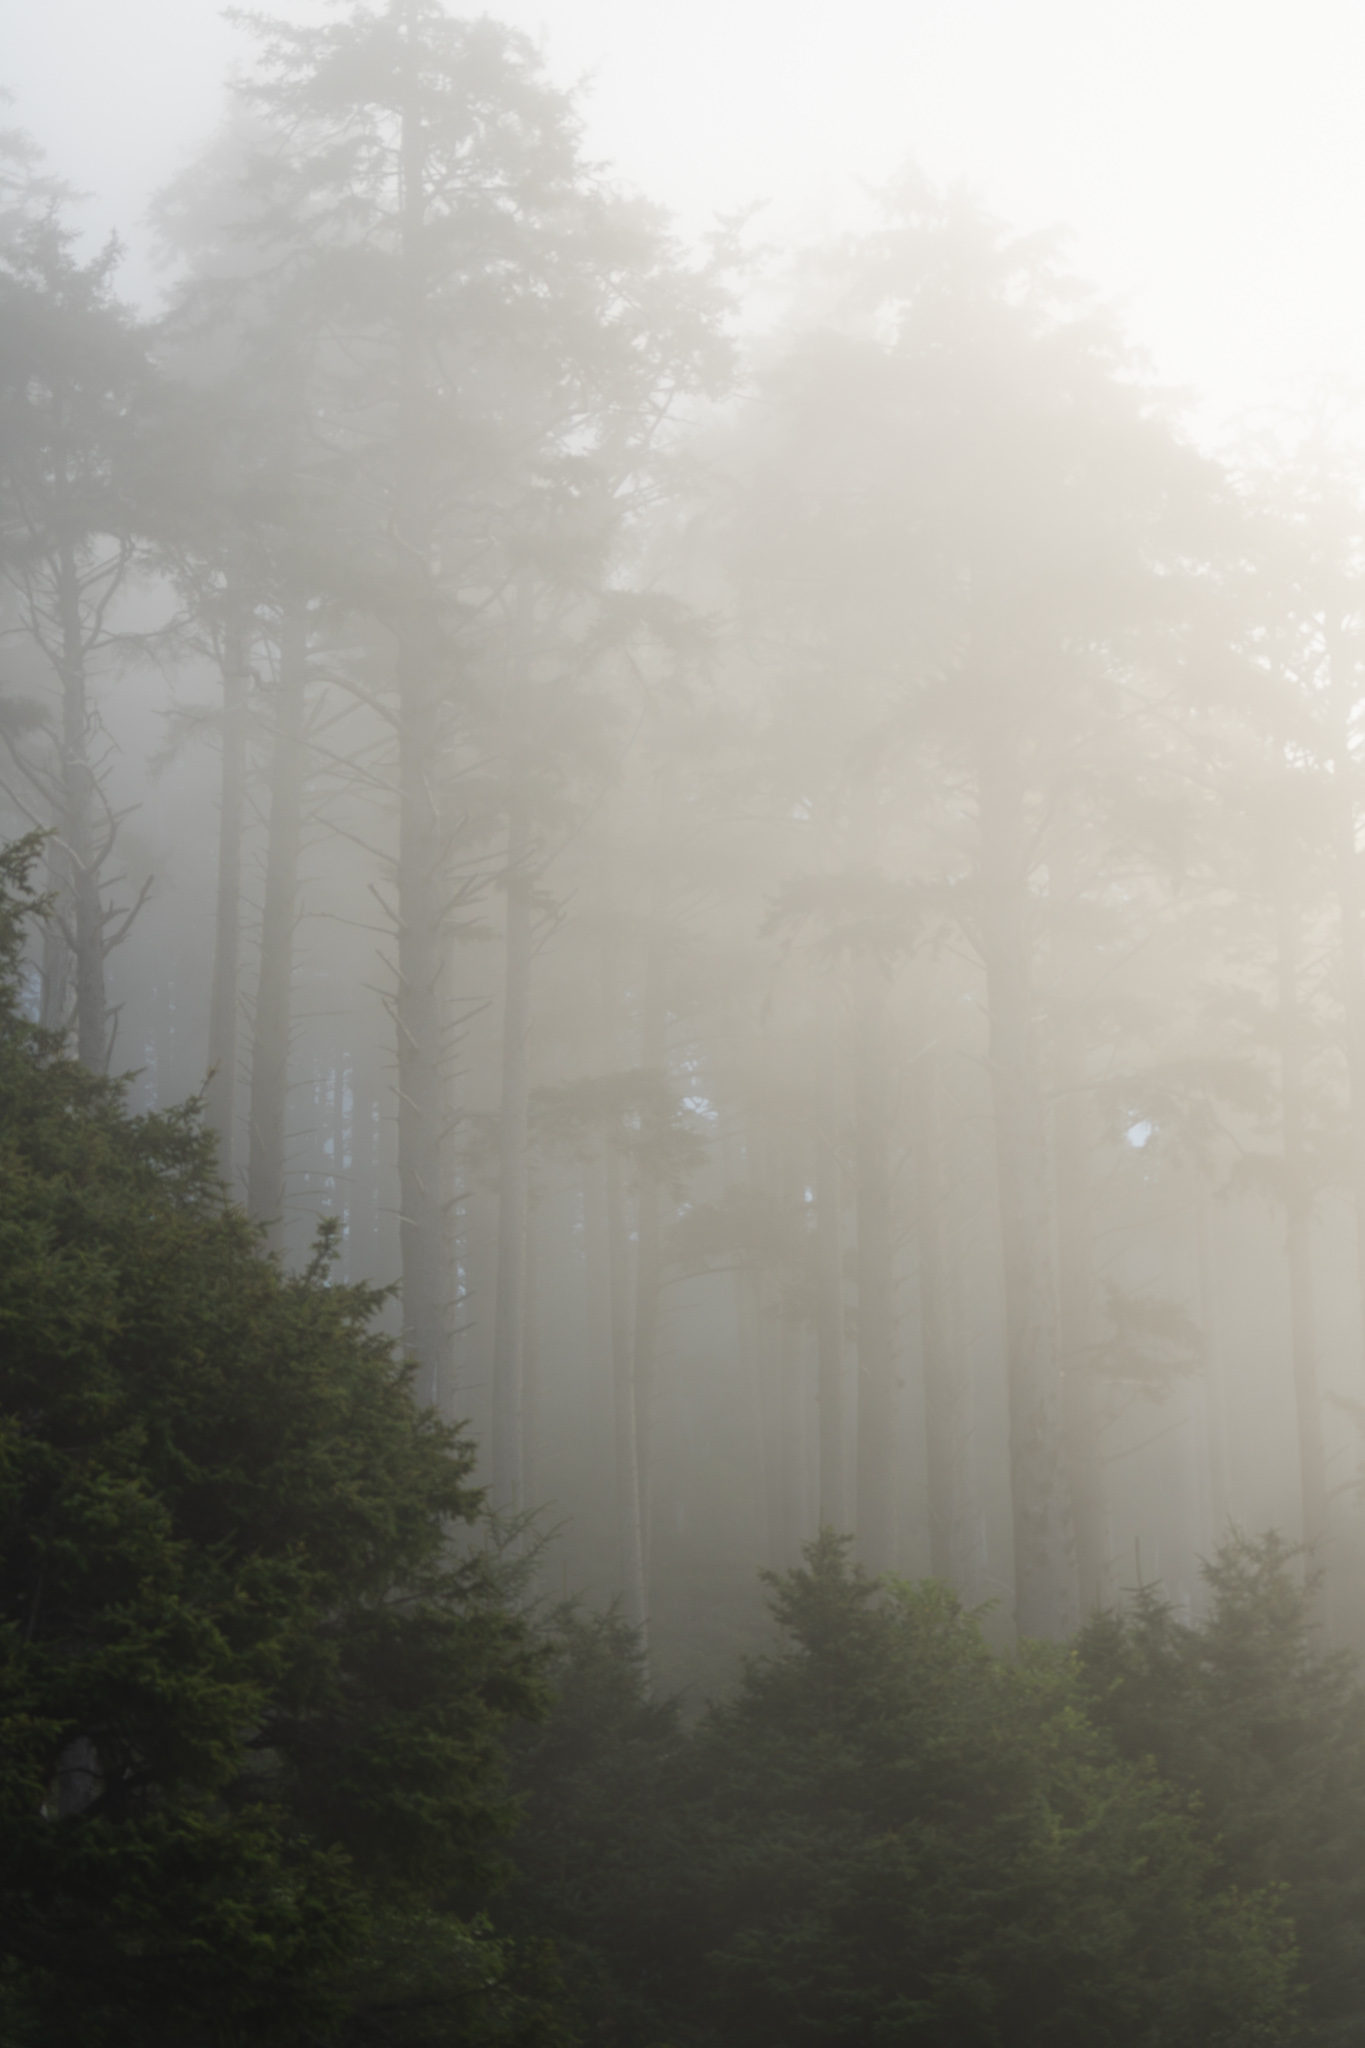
{"x": 1206, "y": 161}
{"x": 768, "y": 817}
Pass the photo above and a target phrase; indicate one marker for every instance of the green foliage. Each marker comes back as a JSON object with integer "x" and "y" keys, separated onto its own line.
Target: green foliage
{"x": 599, "y": 1835}
{"x": 1249, "y": 1715}
{"x": 887, "y": 1834}
{"x": 252, "y": 1695}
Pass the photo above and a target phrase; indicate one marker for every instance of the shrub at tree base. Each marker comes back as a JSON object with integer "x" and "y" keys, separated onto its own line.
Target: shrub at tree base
{"x": 251, "y": 1702}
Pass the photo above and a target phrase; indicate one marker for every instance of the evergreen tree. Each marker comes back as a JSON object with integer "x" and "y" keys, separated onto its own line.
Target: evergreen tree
{"x": 886, "y": 1832}
{"x": 1249, "y": 1715}
{"x": 502, "y": 323}
{"x": 252, "y": 1688}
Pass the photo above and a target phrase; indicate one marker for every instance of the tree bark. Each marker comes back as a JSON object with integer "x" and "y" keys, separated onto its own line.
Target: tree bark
{"x": 510, "y": 1304}
{"x": 769, "y": 1335}
{"x": 829, "y": 1281}
{"x": 625, "y": 1426}
{"x": 425, "y": 1181}
{"x": 79, "y": 908}
{"x": 1044, "y": 1600}
{"x": 597, "y": 1263}
{"x": 530, "y": 1353}
{"x": 1298, "y": 1200}
{"x": 55, "y": 994}
{"x": 220, "y": 1093}
{"x": 944, "y": 1389}
{"x": 1222, "y": 1513}
{"x": 272, "y": 1028}
{"x": 1351, "y": 917}
{"x": 1072, "y": 1140}
{"x": 630, "y": 1524}
{"x": 876, "y": 1451}
{"x": 649, "y": 1219}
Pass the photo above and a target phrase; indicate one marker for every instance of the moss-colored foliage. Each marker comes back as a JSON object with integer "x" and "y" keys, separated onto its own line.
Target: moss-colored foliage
{"x": 251, "y": 1694}
{"x": 1267, "y": 1732}
{"x": 887, "y": 1835}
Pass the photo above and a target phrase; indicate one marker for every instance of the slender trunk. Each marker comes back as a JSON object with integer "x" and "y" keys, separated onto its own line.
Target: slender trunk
{"x": 425, "y": 1182}
{"x": 829, "y": 1281}
{"x": 221, "y": 1088}
{"x": 82, "y": 908}
{"x": 769, "y": 1340}
{"x": 1071, "y": 1132}
{"x": 1221, "y": 1505}
{"x": 1044, "y": 1600}
{"x": 597, "y": 1268}
{"x": 1353, "y": 988}
{"x": 270, "y": 1043}
{"x": 944, "y": 1391}
{"x": 630, "y": 1527}
{"x": 420, "y": 1015}
{"x": 876, "y": 1457}
{"x": 751, "y": 1325}
{"x": 1351, "y": 916}
{"x": 79, "y": 1778}
{"x": 55, "y": 997}
{"x": 625, "y": 1428}
{"x": 794, "y": 1529}
{"x": 510, "y": 1303}
{"x": 649, "y": 1232}
{"x": 530, "y": 1355}
{"x": 1298, "y": 1224}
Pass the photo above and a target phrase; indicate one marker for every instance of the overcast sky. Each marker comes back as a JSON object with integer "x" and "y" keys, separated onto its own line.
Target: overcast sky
{"x": 1209, "y": 155}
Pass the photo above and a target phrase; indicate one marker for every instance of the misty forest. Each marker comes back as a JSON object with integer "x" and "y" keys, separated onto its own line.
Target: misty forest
{"x": 682, "y": 1093}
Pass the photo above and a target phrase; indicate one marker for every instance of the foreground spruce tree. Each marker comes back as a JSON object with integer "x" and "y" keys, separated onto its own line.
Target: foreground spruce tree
{"x": 250, "y": 1699}
{"x": 1250, "y": 1713}
{"x": 886, "y": 1834}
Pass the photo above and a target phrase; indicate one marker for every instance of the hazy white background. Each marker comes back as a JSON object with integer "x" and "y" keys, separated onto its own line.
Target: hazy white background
{"x": 1209, "y": 156}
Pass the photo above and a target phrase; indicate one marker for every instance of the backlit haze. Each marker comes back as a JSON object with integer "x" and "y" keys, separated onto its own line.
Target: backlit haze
{"x": 1207, "y": 157}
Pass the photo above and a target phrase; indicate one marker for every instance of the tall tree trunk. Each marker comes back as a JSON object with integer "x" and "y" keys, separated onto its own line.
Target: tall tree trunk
{"x": 425, "y": 1181}
{"x": 790, "y": 1433}
{"x": 1222, "y": 1513}
{"x": 1351, "y": 917}
{"x": 510, "y": 1305}
{"x": 1298, "y": 1200}
{"x": 625, "y": 1426}
{"x": 597, "y": 1278}
{"x": 1072, "y": 1141}
{"x": 1044, "y": 1600}
{"x": 630, "y": 1523}
{"x": 649, "y": 1221}
{"x": 1353, "y": 987}
{"x": 829, "y": 1280}
{"x": 530, "y": 1353}
{"x": 944, "y": 1386}
{"x": 876, "y": 1450}
{"x": 272, "y": 1029}
{"x": 740, "y": 1153}
{"x": 342, "y": 1183}
{"x": 220, "y": 1094}
{"x": 79, "y": 907}
{"x": 768, "y": 1336}
{"x": 54, "y": 1005}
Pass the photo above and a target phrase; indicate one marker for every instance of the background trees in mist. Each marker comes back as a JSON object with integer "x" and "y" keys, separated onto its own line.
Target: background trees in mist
{"x": 802, "y": 898}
